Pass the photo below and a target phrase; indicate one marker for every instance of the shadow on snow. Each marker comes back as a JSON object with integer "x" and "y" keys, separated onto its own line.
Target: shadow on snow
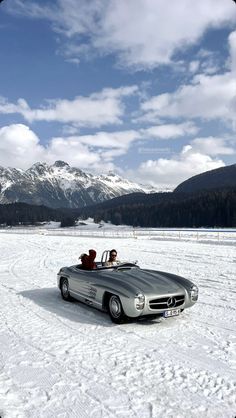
{"x": 75, "y": 311}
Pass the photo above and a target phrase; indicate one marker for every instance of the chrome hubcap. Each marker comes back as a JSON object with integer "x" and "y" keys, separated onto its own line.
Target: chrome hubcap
{"x": 65, "y": 289}
{"x": 115, "y": 306}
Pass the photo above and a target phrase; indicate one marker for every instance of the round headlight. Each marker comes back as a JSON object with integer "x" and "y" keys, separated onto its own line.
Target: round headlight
{"x": 139, "y": 301}
{"x": 194, "y": 293}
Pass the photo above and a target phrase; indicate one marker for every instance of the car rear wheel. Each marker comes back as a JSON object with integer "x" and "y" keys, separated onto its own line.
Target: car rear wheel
{"x": 115, "y": 310}
{"x": 65, "y": 293}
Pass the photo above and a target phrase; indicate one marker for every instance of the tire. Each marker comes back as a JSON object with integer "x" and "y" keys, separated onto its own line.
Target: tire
{"x": 65, "y": 293}
{"x": 115, "y": 310}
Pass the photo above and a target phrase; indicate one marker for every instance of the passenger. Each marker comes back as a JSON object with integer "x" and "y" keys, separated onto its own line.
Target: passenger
{"x": 87, "y": 261}
{"x": 112, "y": 261}
{"x": 83, "y": 258}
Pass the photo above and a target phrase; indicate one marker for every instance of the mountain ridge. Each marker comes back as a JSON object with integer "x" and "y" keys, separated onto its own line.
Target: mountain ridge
{"x": 60, "y": 185}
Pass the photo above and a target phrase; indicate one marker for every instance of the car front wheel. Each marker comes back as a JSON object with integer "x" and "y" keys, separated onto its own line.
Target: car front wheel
{"x": 115, "y": 310}
{"x": 65, "y": 293}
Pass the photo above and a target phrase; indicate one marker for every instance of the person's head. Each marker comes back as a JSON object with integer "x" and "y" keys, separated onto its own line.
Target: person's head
{"x": 83, "y": 256}
{"x": 112, "y": 255}
{"x": 92, "y": 254}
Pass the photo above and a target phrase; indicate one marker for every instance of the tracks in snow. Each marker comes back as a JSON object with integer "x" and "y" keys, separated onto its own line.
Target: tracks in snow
{"x": 69, "y": 357}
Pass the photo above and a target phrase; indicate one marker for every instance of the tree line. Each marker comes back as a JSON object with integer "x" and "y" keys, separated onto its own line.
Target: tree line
{"x": 205, "y": 209}
{"x": 25, "y": 214}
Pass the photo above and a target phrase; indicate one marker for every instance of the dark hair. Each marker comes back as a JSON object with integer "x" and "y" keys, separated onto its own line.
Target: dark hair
{"x": 110, "y": 253}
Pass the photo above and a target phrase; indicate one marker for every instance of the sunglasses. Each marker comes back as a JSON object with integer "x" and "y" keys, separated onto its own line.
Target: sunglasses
{"x": 113, "y": 255}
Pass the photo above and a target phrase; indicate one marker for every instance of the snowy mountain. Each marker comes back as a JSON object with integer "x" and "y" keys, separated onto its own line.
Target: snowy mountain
{"x": 60, "y": 185}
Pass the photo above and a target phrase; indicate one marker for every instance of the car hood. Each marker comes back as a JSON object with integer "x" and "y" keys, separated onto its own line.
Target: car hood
{"x": 146, "y": 281}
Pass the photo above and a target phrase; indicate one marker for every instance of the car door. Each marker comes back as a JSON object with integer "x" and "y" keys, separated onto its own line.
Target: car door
{"x": 80, "y": 282}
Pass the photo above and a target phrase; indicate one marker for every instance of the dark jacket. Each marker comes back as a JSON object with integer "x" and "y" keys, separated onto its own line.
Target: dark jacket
{"x": 88, "y": 260}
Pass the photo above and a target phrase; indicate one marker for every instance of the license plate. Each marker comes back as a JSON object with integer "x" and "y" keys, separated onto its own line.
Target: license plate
{"x": 174, "y": 312}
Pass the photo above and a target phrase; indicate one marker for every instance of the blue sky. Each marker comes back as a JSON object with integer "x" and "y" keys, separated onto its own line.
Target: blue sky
{"x": 145, "y": 88}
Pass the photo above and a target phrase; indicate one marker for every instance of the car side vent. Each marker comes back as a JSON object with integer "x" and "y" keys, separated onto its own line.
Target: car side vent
{"x": 167, "y": 302}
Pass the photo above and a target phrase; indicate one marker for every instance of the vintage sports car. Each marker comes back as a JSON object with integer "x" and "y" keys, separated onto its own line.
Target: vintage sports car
{"x": 127, "y": 291}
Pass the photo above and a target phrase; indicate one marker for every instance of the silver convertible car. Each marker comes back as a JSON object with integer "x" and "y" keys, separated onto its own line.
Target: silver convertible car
{"x": 127, "y": 291}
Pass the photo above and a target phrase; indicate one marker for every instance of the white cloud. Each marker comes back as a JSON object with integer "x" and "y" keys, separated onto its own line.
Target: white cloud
{"x": 142, "y": 33}
{"x": 210, "y": 97}
{"x": 232, "y": 46}
{"x": 77, "y": 154}
{"x": 31, "y": 9}
{"x": 68, "y": 130}
{"x": 98, "y": 150}
{"x": 171, "y": 172}
{"x": 19, "y": 146}
{"x": 71, "y": 151}
{"x": 207, "y": 97}
{"x": 195, "y": 158}
{"x": 213, "y": 146}
{"x": 168, "y": 131}
{"x": 194, "y": 66}
{"x": 103, "y": 108}
{"x": 116, "y": 140}
{"x": 209, "y": 62}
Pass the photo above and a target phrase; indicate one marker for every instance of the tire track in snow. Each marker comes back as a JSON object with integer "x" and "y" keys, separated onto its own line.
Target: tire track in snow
{"x": 205, "y": 384}
{"x": 98, "y": 322}
{"x": 43, "y": 339}
{"x": 112, "y": 345}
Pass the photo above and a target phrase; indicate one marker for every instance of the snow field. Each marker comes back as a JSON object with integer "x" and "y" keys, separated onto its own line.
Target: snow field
{"x": 60, "y": 359}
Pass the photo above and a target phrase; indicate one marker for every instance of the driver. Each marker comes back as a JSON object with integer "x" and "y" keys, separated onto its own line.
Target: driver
{"x": 112, "y": 261}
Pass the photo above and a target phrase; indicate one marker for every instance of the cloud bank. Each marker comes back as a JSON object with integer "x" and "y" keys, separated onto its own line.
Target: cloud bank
{"x": 141, "y": 33}
{"x": 102, "y": 108}
{"x": 170, "y": 172}
{"x": 20, "y": 147}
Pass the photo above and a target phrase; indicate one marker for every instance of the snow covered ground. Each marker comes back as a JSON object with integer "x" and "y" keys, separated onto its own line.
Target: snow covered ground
{"x": 60, "y": 359}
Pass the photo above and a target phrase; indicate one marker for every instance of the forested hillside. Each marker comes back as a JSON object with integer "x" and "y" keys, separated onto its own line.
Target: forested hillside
{"x": 209, "y": 209}
{"x": 22, "y": 213}
{"x": 205, "y": 209}
{"x": 218, "y": 179}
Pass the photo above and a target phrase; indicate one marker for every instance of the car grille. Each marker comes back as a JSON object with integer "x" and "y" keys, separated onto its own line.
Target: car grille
{"x": 167, "y": 302}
